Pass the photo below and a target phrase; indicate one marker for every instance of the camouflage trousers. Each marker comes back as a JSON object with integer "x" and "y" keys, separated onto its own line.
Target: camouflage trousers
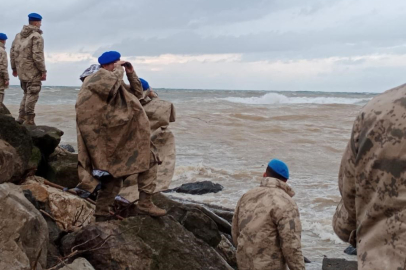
{"x": 30, "y": 98}
{"x": 110, "y": 188}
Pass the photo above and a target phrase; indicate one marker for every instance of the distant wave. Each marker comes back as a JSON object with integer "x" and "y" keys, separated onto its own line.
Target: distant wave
{"x": 274, "y": 98}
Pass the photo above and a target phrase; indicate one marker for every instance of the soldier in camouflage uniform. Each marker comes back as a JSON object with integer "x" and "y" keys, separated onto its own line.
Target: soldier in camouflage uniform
{"x": 266, "y": 224}
{"x": 372, "y": 183}
{"x": 4, "y": 78}
{"x": 28, "y": 62}
{"x": 114, "y": 136}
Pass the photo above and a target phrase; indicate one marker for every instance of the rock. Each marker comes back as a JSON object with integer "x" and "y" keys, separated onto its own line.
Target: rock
{"x": 24, "y": 232}
{"x": 10, "y": 163}
{"x": 350, "y": 250}
{"x": 143, "y": 242}
{"x": 78, "y": 264}
{"x": 68, "y": 210}
{"x": 19, "y": 138}
{"x": 226, "y": 249}
{"x": 64, "y": 171}
{"x": 199, "y": 188}
{"x": 35, "y": 159}
{"x": 339, "y": 264}
{"x": 202, "y": 227}
{"x": 45, "y": 138}
{"x": 4, "y": 110}
{"x": 67, "y": 147}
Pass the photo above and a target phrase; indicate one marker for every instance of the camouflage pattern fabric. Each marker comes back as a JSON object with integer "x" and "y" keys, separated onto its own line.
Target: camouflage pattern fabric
{"x": 112, "y": 127}
{"x": 160, "y": 113}
{"x": 266, "y": 228}
{"x": 27, "y": 54}
{"x": 372, "y": 212}
{"x": 3, "y": 68}
{"x": 30, "y": 97}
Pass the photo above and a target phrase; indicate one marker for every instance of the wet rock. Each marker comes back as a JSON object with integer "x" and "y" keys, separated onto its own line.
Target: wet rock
{"x": 64, "y": 171}
{"x": 350, "y": 250}
{"x": 144, "y": 242}
{"x": 339, "y": 264}
{"x": 3, "y": 109}
{"x": 67, "y": 147}
{"x": 24, "y": 232}
{"x": 202, "y": 227}
{"x": 68, "y": 210}
{"x": 18, "y": 137}
{"x": 10, "y": 163}
{"x": 199, "y": 188}
{"x": 35, "y": 159}
{"x": 78, "y": 264}
{"x": 45, "y": 138}
{"x": 226, "y": 249}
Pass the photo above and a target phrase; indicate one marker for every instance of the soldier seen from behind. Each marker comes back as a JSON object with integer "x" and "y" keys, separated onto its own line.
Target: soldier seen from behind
{"x": 266, "y": 224}
{"x": 114, "y": 136}
{"x": 28, "y": 63}
{"x": 372, "y": 182}
{"x": 4, "y": 78}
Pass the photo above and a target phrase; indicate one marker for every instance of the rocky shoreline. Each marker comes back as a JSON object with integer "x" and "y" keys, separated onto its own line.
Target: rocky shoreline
{"x": 45, "y": 227}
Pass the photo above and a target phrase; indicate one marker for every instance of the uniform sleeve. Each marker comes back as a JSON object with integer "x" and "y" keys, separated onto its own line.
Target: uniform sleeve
{"x": 135, "y": 85}
{"x": 38, "y": 53}
{"x": 234, "y": 230}
{"x": 290, "y": 229}
{"x": 344, "y": 220}
{"x": 12, "y": 56}
{"x": 4, "y": 66}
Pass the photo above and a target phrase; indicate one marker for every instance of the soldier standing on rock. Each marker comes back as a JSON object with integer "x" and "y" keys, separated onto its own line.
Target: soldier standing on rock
{"x": 266, "y": 224}
{"x": 4, "y": 78}
{"x": 372, "y": 181}
{"x": 114, "y": 136}
{"x": 28, "y": 62}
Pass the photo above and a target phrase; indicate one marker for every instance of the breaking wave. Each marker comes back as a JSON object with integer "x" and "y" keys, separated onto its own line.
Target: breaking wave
{"x": 274, "y": 98}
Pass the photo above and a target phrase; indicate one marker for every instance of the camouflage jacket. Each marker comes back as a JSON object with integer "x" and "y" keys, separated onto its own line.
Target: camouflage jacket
{"x": 27, "y": 54}
{"x": 3, "y": 66}
{"x": 372, "y": 183}
{"x": 112, "y": 127}
{"x": 266, "y": 228}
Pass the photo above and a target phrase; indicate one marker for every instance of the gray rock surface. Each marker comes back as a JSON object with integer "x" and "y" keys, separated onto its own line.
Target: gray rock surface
{"x": 339, "y": 264}
{"x": 143, "y": 242}
{"x": 67, "y": 147}
{"x": 3, "y": 109}
{"x": 78, "y": 264}
{"x": 24, "y": 232}
{"x": 10, "y": 162}
{"x": 45, "y": 138}
{"x": 199, "y": 188}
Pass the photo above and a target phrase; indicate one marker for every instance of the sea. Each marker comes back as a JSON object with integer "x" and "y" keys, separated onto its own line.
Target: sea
{"x": 228, "y": 137}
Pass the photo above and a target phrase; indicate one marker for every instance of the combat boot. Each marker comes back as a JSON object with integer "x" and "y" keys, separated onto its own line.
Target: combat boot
{"x": 147, "y": 207}
{"x": 21, "y": 118}
{"x": 29, "y": 120}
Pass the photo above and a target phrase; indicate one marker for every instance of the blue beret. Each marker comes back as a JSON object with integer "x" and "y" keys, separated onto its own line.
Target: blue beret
{"x": 3, "y": 36}
{"x": 145, "y": 84}
{"x": 279, "y": 167}
{"x": 34, "y": 17}
{"x": 109, "y": 57}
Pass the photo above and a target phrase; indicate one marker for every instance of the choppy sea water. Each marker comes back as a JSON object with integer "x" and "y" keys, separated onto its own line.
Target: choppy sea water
{"x": 229, "y": 136}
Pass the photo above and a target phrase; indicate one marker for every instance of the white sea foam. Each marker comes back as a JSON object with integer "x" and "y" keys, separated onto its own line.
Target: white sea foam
{"x": 274, "y": 98}
{"x": 324, "y": 232}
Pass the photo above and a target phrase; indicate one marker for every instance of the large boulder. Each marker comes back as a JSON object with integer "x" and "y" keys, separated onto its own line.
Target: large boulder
{"x": 339, "y": 264}
{"x": 143, "y": 242}
{"x": 199, "y": 188}
{"x": 18, "y": 137}
{"x": 68, "y": 210}
{"x": 24, "y": 232}
{"x": 78, "y": 264}
{"x": 45, "y": 138}
{"x": 4, "y": 110}
{"x": 10, "y": 162}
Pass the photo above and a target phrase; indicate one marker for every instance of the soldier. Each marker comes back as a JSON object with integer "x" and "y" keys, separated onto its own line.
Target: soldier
{"x": 114, "y": 136}
{"x": 28, "y": 62}
{"x": 372, "y": 182}
{"x": 266, "y": 224}
{"x": 4, "y": 78}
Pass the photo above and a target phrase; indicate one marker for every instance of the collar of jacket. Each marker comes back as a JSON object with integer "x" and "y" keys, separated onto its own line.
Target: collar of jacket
{"x": 2, "y": 45}
{"x": 275, "y": 183}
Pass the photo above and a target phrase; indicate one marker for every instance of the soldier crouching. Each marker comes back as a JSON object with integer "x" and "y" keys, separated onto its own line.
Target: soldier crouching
{"x": 114, "y": 136}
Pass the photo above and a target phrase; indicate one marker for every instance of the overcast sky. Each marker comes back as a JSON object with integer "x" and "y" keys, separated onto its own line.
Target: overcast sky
{"x": 317, "y": 45}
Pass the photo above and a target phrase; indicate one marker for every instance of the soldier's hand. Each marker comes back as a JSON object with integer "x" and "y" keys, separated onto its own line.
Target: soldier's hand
{"x": 44, "y": 77}
{"x": 15, "y": 73}
{"x": 6, "y": 83}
